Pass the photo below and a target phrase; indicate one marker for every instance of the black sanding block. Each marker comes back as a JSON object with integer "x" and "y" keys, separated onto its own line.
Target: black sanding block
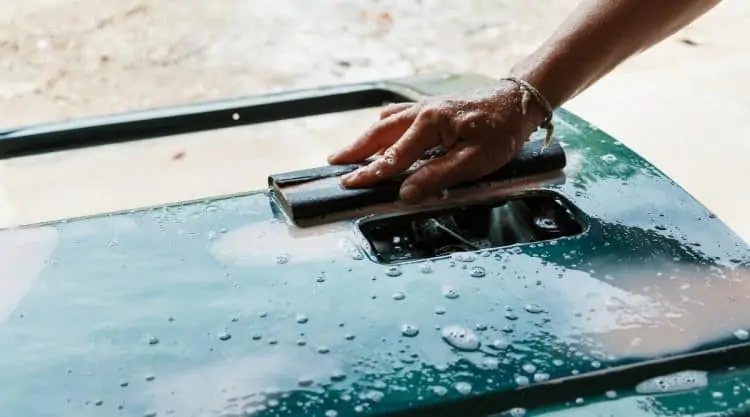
{"x": 317, "y": 192}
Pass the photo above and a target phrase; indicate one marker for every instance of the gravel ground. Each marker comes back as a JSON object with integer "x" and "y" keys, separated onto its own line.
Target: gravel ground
{"x": 84, "y": 57}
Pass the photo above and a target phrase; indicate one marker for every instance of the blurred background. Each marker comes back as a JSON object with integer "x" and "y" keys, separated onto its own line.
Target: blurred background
{"x": 682, "y": 105}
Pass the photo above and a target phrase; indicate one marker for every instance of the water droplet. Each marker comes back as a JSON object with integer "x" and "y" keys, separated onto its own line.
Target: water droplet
{"x": 517, "y": 412}
{"x": 440, "y": 311}
{"x": 98, "y": 402}
{"x": 490, "y": 363}
{"x": 349, "y": 336}
{"x": 611, "y": 394}
{"x": 150, "y": 378}
{"x": 224, "y": 336}
{"x": 305, "y": 382}
{"x": 463, "y": 388}
{"x": 529, "y": 368}
{"x": 409, "y": 330}
{"x": 480, "y": 327}
{"x": 533, "y": 308}
{"x": 374, "y": 396}
{"x": 522, "y": 380}
{"x": 150, "y": 414}
{"x": 235, "y": 116}
{"x": 609, "y": 158}
{"x": 153, "y": 340}
{"x": 323, "y": 350}
{"x": 461, "y": 338}
{"x": 511, "y": 316}
{"x": 478, "y": 272}
{"x": 499, "y": 344}
{"x": 541, "y": 377}
{"x": 680, "y": 381}
{"x": 124, "y": 384}
{"x": 257, "y": 337}
{"x": 399, "y": 296}
{"x": 302, "y": 319}
{"x": 426, "y": 267}
{"x": 438, "y": 390}
{"x": 393, "y": 271}
{"x": 742, "y": 334}
{"x": 463, "y": 256}
{"x": 282, "y": 259}
{"x": 301, "y": 342}
{"x": 331, "y": 413}
{"x": 450, "y": 293}
{"x": 579, "y": 401}
{"x": 338, "y": 376}
{"x": 558, "y": 362}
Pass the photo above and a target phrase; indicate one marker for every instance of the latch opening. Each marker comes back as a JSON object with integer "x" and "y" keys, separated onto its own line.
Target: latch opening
{"x": 534, "y": 217}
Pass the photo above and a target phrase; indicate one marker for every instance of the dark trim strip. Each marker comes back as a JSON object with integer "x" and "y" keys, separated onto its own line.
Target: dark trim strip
{"x": 557, "y": 391}
{"x": 193, "y": 118}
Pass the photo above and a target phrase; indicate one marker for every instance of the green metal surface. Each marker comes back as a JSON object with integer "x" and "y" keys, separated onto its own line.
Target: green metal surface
{"x": 726, "y": 394}
{"x": 218, "y": 308}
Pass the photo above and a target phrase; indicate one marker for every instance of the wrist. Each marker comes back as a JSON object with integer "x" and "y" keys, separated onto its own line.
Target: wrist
{"x": 538, "y": 69}
{"x": 532, "y": 104}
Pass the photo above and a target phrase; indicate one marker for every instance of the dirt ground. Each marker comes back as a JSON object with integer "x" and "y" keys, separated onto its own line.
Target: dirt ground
{"x": 682, "y": 105}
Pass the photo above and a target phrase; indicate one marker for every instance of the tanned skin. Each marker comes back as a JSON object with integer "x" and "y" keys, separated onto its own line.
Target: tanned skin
{"x": 484, "y": 129}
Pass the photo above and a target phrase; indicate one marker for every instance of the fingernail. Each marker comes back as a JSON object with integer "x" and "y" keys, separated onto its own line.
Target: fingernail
{"x": 410, "y": 194}
{"x": 348, "y": 178}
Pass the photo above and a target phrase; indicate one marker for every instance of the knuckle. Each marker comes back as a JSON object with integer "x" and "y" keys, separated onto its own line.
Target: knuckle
{"x": 391, "y": 109}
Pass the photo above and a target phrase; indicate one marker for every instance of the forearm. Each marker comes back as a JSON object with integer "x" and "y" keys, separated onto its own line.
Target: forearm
{"x": 597, "y": 37}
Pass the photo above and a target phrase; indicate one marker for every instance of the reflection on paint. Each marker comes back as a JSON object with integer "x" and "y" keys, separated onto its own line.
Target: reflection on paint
{"x": 24, "y": 253}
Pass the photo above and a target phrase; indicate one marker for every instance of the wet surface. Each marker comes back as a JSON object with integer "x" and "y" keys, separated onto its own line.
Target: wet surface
{"x": 253, "y": 316}
{"x": 686, "y": 393}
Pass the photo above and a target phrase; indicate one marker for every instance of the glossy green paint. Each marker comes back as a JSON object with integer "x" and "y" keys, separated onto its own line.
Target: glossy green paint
{"x": 219, "y": 308}
{"x": 727, "y": 394}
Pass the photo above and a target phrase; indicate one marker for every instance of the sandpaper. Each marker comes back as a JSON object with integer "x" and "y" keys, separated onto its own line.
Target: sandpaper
{"x": 317, "y": 192}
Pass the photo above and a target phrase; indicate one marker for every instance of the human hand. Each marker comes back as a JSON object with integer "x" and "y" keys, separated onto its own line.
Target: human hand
{"x": 480, "y": 130}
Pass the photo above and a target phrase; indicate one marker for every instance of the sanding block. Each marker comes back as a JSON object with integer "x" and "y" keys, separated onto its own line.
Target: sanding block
{"x": 317, "y": 192}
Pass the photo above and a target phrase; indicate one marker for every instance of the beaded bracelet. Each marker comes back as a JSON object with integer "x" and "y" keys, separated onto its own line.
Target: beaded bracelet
{"x": 527, "y": 91}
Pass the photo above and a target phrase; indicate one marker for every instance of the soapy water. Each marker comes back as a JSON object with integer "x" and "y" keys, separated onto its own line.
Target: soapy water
{"x": 478, "y": 272}
{"x": 463, "y": 388}
{"x": 534, "y": 308}
{"x": 409, "y": 330}
{"x": 463, "y": 256}
{"x": 393, "y": 271}
{"x": 460, "y": 338}
{"x": 450, "y": 293}
{"x": 468, "y": 294}
{"x": 680, "y": 381}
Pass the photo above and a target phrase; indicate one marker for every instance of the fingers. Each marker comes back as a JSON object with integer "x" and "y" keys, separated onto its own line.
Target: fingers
{"x": 421, "y": 136}
{"x": 394, "y": 108}
{"x": 460, "y": 165}
{"x": 381, "y": 135}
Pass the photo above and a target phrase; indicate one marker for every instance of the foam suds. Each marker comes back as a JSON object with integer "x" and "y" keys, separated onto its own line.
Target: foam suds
{"x": 680, "y": 381}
